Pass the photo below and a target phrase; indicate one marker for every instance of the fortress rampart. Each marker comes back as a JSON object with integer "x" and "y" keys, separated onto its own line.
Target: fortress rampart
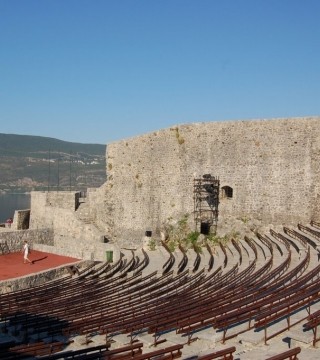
{"x": 272, "y": 167}
{"x": 76, "y": 230}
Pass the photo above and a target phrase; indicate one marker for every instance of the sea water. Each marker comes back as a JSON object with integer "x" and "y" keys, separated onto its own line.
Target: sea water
{"x": 11, "y": 202}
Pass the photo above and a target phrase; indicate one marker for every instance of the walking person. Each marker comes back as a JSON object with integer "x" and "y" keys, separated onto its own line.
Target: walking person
{"x": 26, "y": 251}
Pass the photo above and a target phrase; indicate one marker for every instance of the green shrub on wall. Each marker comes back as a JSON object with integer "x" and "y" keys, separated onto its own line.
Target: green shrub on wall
{"x": 152, "y": 244}
{"x": 178, "y": 232}
{"x": 215, "y": 239}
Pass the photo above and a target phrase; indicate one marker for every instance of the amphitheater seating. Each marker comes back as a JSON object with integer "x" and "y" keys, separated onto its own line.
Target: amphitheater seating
{"x": 167, "y": 266}
{"x": 307, "y": 231}
{"x": 225, "y": 354}
{"x": 99, "y": 352}
{"x": 315, "y": 224}
{"x": 225, "y": 261}
{"x": 143, "y": 264}
{"x": 184, "y": 261}
{"x": 211, "y": 260}
{"x": 238, "y": 248}
{"x": 168, "y": 353}
{"x": 289, "y": 354}
{"x": 251, "y": 284}
{"x": 197, "y": 260}
{"x": 33, "y": 349}
{"x": 313, "y": 321}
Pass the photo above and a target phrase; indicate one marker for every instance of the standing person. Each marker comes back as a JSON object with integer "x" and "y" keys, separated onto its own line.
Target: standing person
{"x": 9, "y": 222}
{"x": 25, "y": 251}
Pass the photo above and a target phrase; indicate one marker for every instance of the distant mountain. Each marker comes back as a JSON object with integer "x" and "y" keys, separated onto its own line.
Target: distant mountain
{"x": 42, "y": 163}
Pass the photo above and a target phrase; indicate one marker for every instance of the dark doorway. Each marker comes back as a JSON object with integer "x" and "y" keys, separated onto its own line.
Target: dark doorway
{"x": 205, "y": 228}
{"x": 227, "y": 192}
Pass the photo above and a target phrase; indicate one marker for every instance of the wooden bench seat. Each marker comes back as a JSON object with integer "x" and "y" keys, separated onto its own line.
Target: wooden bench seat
{"x": 197, "y": 260}
{"x": 168, "y": 265}
{"x": 303, "y": 296}
{"x": 225, "y": 354}
{"x": 289, "y": 354}
{"x": 99, "y": 352}
{"x": 243, "y": 309}
{"x": 184, "y": 261}
{"x": 313, "y": 321}
{"x": 167, "y": 353}
{"x": 224, "y": 298}
{"x": 238, "y": 248}
{"x": 211, "y": 259}
{"x": 34, "y": 349}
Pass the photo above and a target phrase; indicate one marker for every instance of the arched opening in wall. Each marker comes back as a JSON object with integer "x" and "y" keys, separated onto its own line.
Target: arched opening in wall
{"x": 226, "y": 192}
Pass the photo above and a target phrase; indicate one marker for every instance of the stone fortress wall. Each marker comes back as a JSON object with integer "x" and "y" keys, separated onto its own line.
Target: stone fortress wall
{"x": 73, "y": 221}
{"x": 273, "y": 167}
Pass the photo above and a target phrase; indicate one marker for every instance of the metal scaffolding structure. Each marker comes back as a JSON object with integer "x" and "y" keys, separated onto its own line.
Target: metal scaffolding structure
{"x": 206, "y": 202}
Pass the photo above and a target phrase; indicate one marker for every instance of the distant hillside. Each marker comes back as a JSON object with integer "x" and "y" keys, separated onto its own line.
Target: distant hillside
{"x": 40, "y": 163}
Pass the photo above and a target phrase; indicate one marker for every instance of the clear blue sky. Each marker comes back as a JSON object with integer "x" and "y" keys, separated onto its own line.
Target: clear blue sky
{"x": 96, "y": 71}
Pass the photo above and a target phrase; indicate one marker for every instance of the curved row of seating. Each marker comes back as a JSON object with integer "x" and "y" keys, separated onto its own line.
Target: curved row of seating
{"x": 245, "y": 285}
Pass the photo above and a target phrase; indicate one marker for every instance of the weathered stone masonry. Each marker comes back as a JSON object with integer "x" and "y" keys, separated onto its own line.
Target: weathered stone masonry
{"x": 77, "y": 231}
{"x": 271, "y": 165}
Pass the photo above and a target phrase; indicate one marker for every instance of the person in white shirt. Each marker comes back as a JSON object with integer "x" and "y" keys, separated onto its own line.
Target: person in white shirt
{"x": 25, "y": 251}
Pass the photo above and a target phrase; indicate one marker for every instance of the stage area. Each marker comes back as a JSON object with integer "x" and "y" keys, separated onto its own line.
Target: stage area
{"x": 12, "y": 266}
